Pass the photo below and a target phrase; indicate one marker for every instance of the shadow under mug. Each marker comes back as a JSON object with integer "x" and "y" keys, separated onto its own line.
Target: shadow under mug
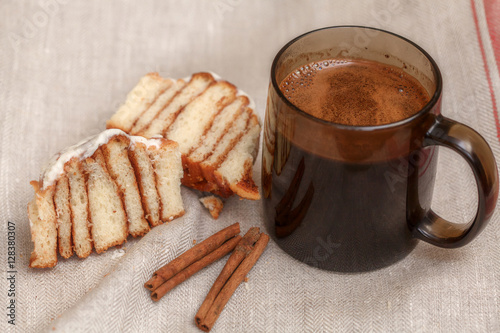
{"x": 358, "y": 198}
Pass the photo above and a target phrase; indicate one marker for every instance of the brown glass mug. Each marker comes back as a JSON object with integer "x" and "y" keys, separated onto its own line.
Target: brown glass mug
{"x": 358, "y": 198}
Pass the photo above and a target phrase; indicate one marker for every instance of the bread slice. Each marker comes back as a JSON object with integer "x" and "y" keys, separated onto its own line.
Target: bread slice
{"x": 236, "y": 169}
{"x": 224, "y": 122}
{"x": 158, "y": 106}
{"x": 42, "y": 216}
{"x": 146, "y": 181}
{"x": 144, "y": 94}
{"x": 207, "y": 117}
{"x": 219, "y": 155}
{"x": 78, "y": 204}
{"x": 107, "y": 214}
{"x": 168, "y": 173}
{"x": 120, "y": 169}
{"x": 198, "y": 116}
{"x": 96, "y": 193}
{"x": 63, "y": 214}
{"x": 160, "y": 124}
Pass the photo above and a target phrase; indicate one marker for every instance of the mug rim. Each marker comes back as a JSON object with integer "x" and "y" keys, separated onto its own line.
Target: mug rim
{"x": 427, "y": 108}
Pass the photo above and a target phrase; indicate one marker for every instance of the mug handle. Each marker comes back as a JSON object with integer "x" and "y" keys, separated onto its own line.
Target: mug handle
{"x": 474, "y": 149}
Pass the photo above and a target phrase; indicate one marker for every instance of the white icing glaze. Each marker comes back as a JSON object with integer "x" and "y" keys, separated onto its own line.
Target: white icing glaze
{"x": 84, "y": 149}
{"x": 187, "y": 78}
{"x": 240, "y": 92}
{"x": 153, "y": 141}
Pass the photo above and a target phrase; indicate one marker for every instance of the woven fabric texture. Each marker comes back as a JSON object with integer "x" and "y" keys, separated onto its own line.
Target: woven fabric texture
{"x": 66, "y": 66}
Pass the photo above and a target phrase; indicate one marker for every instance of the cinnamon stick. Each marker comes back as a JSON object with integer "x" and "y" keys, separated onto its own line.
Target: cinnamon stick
{"x": 234, "y": 281}
{"x": 192, "y": 255}
{"x": 243, "y": 248}
{"x": 195, "y": 267}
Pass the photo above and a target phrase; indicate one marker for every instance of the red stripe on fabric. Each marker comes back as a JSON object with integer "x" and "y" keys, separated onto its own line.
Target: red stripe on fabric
{"x": 486, "y": 69}
{"x": 492, "y": 11}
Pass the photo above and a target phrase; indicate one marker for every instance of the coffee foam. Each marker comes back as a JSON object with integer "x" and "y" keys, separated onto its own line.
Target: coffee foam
{"x": 354, "y": 92}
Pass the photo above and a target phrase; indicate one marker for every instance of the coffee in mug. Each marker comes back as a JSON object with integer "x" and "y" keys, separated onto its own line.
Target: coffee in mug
{"x": 349, "y": 153}
{"x": 354, "y": 92}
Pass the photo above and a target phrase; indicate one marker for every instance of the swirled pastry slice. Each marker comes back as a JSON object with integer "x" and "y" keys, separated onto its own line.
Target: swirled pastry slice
{"x": 213, "y": 123}
{"x": 96, "y": 193}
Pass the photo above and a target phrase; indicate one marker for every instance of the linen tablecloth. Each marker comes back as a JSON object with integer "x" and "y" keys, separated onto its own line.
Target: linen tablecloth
{"x": 66, "y": 66}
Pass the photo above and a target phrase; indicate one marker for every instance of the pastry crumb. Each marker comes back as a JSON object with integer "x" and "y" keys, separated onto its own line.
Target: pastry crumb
{"x": 213, "y": 204}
